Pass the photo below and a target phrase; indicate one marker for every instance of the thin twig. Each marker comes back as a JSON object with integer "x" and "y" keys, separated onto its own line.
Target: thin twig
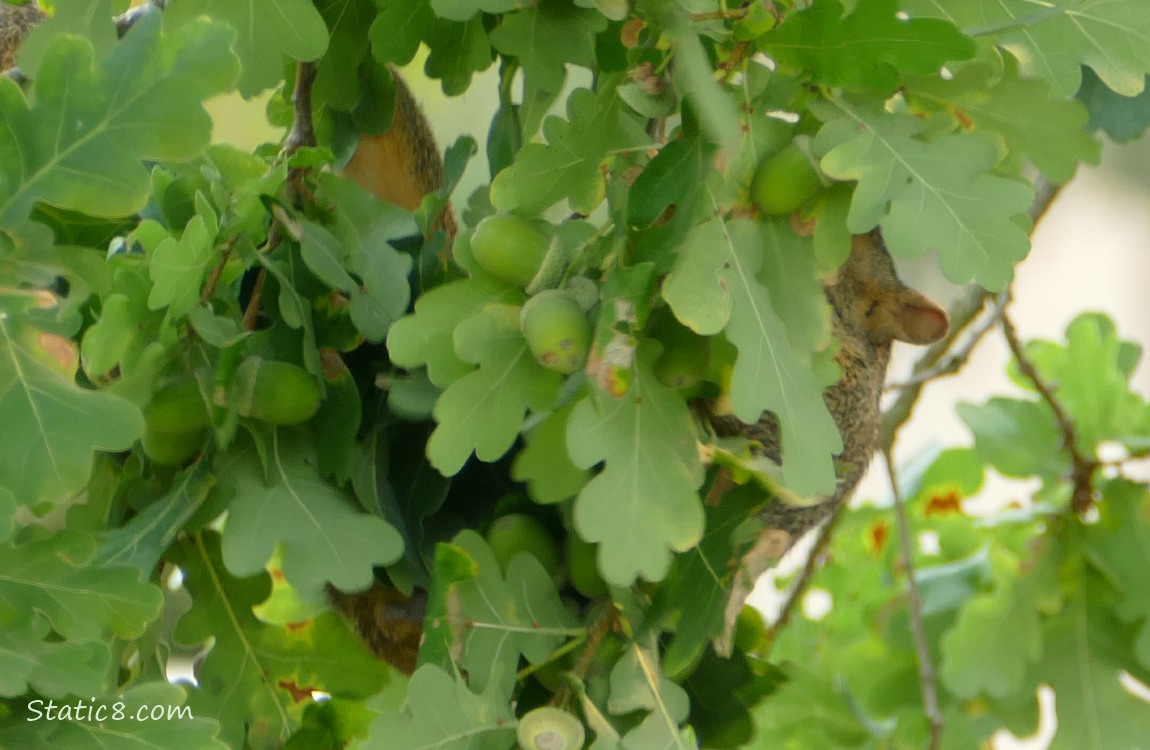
{"x": 720, "y": 15}
{"x": 810, "y": 567}
{"x": 926, "y": 674}
{"x": 1083, "y": 468}
{"x": 302, "y": 135}
{"x": 214, "y": 276}
{"x": 599, "y": 631}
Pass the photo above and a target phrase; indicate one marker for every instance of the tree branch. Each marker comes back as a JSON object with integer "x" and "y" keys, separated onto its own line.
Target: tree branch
{"x": 810, "y": 567}
{"x": 1082, "y": 474}
{"x": 928, "y": 681}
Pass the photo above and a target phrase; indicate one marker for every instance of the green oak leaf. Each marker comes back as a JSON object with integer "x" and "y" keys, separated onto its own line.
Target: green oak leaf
{"x": 392, "y": 477}
{"x": 1086, "y": 652}
{"x": 994, "y": 641}
{"x": 382, "y": 294}
{"x": 715, "y": 286}
{"x": 52, "y": 668}
{"x": 142, "y": 541}
{"x": 866, "y": 50}
{"x": 177, "y": 267}
{"x": 809, "y": 710}
{"x": 1054, "y": 39}
{"x": 940, "y": 194}
{"x": 337, "y": 75}
{"x": 427, "y": 337}
{"x": 699, "y": 583}
{"x": 7, "y": 513}
{"x": 268, "y": 32}
{"x": 544, "y": 464}
{"x": 567, "y": 165}
{"x": 286, "y": 502}
{"x": 441, "y": 713}
{"x": 125, "y": 723}
{"x": 117, "y": 337}
{"x": 56, "y": 576}
{"x": 399, "y": 28}
{"x": 252, "y": 677}
{"x": 1119, "y": 548}
{"x": 694, "y": 79}
{"x": 650, "y": 478}
{"x": 1018, "y": 438}
{"x": 546, "y": 38}
{"x": 502, "y": 619}
{"x": 1123, "y": 118}
{"x": 465, "y": 10}
{"x": 458, "y": 51}
{"x": 637, "y": 684}
{"x": 78, "y": 141}
{"x": 91, "y": 19}
{"x": 483, "y": 410}
{"x": 1093, "y": 371}
{"x": 1050, "y": 130}
{"x": 53, "y": 425}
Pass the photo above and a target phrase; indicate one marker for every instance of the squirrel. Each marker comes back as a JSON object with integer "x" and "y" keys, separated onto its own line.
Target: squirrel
{"x": 870, "y": 307}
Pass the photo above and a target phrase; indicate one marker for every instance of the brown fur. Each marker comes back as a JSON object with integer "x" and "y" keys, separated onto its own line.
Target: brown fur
{"x": 15, "y": 23}
{"x": 403, "y": 164}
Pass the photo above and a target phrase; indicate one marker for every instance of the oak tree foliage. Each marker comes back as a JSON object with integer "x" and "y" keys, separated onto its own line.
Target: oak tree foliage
{"x": 231, "y": 378}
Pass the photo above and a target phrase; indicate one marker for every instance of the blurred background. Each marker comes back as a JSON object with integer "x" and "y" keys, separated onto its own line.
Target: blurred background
{"x": 1091, "y": 253}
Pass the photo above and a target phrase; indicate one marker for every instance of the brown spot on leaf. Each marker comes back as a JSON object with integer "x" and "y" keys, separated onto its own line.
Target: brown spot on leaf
{"x": 944, "y": 504}
{"x": 298, "y": 694}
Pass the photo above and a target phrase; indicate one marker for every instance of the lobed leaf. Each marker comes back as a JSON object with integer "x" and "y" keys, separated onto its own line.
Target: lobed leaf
{"x": 79, "y": 140}
{"x": 649, "y": 479}
{"x": 928, "y": 195}
{"x": 53, "y": 425}
{"x": 715, "y": 285}
{"x": 324, "y": 538}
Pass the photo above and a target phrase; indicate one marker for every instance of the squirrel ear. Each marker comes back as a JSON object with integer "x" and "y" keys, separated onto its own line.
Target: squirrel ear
{"x": 920, "y": 320}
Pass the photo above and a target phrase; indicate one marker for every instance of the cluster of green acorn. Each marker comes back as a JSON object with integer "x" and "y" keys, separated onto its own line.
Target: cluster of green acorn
{"x": 555, "y": 325}
{"x": 177, "y": 421}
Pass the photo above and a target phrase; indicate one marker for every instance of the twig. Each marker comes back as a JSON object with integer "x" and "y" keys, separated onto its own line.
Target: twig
{"x": 595, "y": 639}
{"x": 214, "y": 276}
{"x": 302, "y": 135}
{"x": 720, "y": 15}
{"x": 1082, "y": 474}
{"x": 926, "y": 674}
{"x": 810, "y": 566}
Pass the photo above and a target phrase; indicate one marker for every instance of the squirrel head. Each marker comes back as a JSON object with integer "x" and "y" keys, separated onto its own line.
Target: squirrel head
{"x": 871, "y": 303}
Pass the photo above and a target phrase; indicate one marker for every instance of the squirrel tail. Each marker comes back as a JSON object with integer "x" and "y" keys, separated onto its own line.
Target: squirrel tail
{"x": 402, "y": 164}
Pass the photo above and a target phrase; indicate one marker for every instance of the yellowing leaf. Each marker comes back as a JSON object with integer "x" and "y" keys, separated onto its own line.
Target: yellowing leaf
{"x": 52, "y": 425}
